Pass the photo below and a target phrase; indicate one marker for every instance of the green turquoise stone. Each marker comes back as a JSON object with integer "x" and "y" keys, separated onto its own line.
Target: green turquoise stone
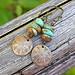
{"x": 48, "y": 32}
{"x": 40, "y": 22}
{"x": 46, "y": 26}
{"x": 35, "y": 26}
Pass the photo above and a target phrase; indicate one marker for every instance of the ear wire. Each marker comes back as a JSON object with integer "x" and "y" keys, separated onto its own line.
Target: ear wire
{"x": 45, "y": 17}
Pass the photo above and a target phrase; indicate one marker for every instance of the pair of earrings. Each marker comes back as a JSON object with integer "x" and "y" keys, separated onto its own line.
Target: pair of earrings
{"x": 39, "y": 26}
{"x": 22, "y": 45}
{"x": 40, "y": 55}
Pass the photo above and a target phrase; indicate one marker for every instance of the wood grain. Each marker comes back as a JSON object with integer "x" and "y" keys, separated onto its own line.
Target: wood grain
{"x": 10, "y": 63}
{"x": 60, "y": 68}
{"x": 67, "y": 13}
{"x": 33, "y": 69}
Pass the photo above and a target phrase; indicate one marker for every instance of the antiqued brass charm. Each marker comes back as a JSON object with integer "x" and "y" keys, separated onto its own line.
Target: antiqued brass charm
{"x": 41, "y": 55}
{"x": 22, "y": 45}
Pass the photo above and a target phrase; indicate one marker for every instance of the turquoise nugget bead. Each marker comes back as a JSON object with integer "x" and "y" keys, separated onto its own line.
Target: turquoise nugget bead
{"x": 35, "y": 26}
{"x": 46, "y": 26}
{"x": 39, "y": 21}
{"x": 48, "y": 32}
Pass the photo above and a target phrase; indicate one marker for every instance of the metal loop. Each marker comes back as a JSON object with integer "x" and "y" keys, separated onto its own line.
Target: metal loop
{"x": 45, "y": 16}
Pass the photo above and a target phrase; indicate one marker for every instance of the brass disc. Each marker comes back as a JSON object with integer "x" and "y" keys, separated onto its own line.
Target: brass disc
{"x": 22, "y": 45}
{"x": 41, "y": 55}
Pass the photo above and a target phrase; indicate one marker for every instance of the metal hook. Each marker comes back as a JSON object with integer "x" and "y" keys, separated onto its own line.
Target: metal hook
{"x": 45, "y": 17}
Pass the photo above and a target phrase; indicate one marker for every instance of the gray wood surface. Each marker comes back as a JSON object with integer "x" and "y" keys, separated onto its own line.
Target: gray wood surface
{"x": 33, "y": 69}
{"x": 27, "y": 17}
{"x": 63, "y": 66}
{"x": 60, "y": 68}
{"x": 64, "y": 30}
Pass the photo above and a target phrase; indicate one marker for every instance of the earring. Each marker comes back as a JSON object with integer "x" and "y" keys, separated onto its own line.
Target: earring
{"x": 41, "y": 55}
{"x": 48, "y": 30}
{"x": 35, "y": 28}
{"x": 22, "y": 45}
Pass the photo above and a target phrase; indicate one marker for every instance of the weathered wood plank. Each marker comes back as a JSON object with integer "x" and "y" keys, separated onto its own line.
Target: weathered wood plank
{"x": 10, "y": 62}
{"x": 15, "y": 62}
{"x": 64, "y": 17}
{"x": 27, "y": 17}
{"x": 57, "y": 38}
{"x": 61, "y": 68}
{"x": 59, "y": 53}
{"x": 62, "y": 65}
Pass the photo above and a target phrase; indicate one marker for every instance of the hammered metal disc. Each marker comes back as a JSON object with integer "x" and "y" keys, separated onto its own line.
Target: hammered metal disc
{"x": 41, "y": 55}
{"x": 22, "y": 45}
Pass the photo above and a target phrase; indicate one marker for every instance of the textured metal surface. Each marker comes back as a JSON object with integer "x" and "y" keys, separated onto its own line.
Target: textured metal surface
{"x": 41, "y": 55}
{"x": 22, "y": 45}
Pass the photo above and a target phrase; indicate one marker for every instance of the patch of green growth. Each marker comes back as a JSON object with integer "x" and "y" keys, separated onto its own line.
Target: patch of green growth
{"x": 5, "y": 15}
{"x": 71, "y": 71}
{"x": 30, "y": 4}
{"x": 10, "y": 9}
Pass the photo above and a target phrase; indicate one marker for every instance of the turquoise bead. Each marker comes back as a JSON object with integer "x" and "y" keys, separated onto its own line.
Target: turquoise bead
{"x": 48, "y": 32}
{"x": 35, "y": 26}
{"x": 46, "y": 26}
{"x": 39, "y": 21}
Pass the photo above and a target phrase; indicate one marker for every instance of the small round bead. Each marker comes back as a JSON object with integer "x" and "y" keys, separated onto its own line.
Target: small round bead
{"x": 47, "y": 32}
{"x": 30, "y": 32}
{"x": 46, "y": 26}
{"x": 40, "y": 22}
{"x": 46, "y": 38}
{"x": 36, "y": 27}
{"x": 34, "y": 31}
